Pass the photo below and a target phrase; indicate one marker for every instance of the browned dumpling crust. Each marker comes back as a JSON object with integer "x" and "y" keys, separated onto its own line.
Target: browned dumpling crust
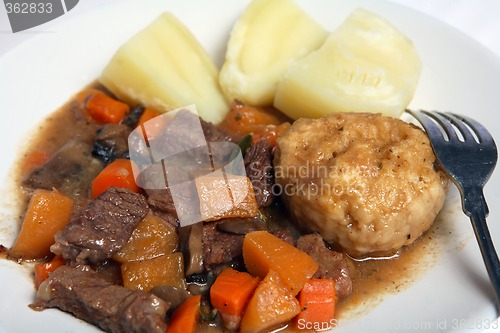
{"x": 363, "y": 181}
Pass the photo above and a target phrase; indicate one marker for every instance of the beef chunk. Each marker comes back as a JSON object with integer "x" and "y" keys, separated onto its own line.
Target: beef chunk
{"x": 189, "y": 141}
{"x": 70, "y": 170}
{"x": 215, "y": 134}
{"x": 160, "y": 198}
{"x": 111, "y": 307}
{"x": 111, "y": 142}
{"x": 331, "y": 264}
{"x": 102, "y": 228}
{"x": 219, "y": 247}
{"x": 285, "y": 235}
{"x": 181, "y": 134}
{"x": 162, "y": 205}
{"x": 109, "y": 270}
{"x": 222, "y": 240}
{"x": 259, "y": 169}
{"x": 185, "y": 155}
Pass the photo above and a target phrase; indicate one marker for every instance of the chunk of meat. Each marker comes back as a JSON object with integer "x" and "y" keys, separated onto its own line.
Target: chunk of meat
{"x": 331, "y": 264}
{"x": 186, "y": 156}
{"x": 111, "y": 307}
{"x": 219, "y": 247}
{"x": 162, "y": 205}
{"x": 215, "y": 134}
{"x": 285, "y": 235}
{"x": 182, "y": 134}
{"x": 259, "y": 168}
{"x": 111, "y": 142}
{"x": 160, "y": 198}
{"x": 102, "y": 228}
{"x": 70, "y": 170}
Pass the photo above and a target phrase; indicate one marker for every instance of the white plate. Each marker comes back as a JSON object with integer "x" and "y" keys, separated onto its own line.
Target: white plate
{"x": 459, "y": 75}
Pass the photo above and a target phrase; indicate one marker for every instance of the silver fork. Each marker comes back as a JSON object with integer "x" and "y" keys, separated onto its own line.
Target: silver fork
{"x": 468, "y": 155}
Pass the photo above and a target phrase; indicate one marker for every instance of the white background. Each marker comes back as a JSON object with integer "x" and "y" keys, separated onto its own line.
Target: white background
{"x": 480, "y": 19}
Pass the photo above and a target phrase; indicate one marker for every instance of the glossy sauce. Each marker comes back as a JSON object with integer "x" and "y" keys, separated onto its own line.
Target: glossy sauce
{"x": 374, "y": 279}
{"x": 69, "y": 122}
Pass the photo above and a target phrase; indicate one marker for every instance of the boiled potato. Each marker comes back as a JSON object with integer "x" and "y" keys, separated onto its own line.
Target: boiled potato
{"x": 366, "y": 65}
{"x": 164, "y": 67}
{"x": 265, "y": 41}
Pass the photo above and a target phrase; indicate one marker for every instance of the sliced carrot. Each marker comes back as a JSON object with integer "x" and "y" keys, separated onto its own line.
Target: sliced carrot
{"x": 148, "y": 114}
{"x": 244, "y": 119}
{"x": 263, "y": 252}
{"x": 271, "y": 133}
{"x": 33, "y": 160}
{"x": 317, "y": 304}
{"x": 271, "y": 306}
{"x": 230, "y": 294}
{"x": 151, "y": 238}
{"x": 185, "y": 317}
{"x": 166, "y": 270}
{"x": 48, "y": 212}
{"x": 118, "y": 173}
{"x": 106, "y": 110}
{"x": 43, "y": 270}
{"x": 84, "y": 96}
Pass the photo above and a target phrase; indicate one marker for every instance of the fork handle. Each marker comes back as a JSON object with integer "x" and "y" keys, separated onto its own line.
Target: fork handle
{"x": 490, "y": 257}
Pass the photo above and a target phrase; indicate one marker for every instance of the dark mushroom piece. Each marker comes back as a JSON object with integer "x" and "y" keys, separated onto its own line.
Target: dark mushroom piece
{"x": 195, "y": 250}
{"x": 132, "y": 118}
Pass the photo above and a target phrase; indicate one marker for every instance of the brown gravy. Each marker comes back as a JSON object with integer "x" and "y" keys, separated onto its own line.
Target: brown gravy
{"x": 68, "y": 122}
{"x": 375, "y": 278}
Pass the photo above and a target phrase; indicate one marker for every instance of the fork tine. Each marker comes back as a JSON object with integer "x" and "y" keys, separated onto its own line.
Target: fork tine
{"x": 479, "y": 130}
{"x": 461, "y": 126}
{"x": 425, "y": 119}
{"x": 444, "y": 122}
